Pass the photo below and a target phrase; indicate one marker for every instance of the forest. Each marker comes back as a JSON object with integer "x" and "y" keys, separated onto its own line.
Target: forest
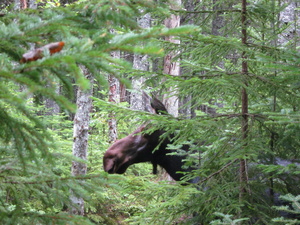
{"x": 150, "y": 112}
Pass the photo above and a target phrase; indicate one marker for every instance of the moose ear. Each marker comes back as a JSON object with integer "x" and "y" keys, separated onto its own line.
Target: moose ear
{"x": 158, "y": 106}
{"x": 154, "y": 105}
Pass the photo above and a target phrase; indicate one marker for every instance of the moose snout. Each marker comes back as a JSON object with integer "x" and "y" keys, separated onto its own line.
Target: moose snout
{"x": 111, "y": 170}
{"x": 109, "y": 165}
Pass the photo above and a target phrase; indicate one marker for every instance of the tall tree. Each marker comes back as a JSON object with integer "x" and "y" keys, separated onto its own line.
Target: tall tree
{"x": 35, "y": 186}
{"x": 244, "y": 99}
{"x": 140, "y": 63}
{"x": 171, "y": 64}
{"x": 80, "y": 138}
{"x": 240, "y": 64}
{"x": 113, "y": 97}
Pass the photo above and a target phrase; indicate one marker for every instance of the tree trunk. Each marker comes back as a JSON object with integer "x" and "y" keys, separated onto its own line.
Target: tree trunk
{"x": 80, "y": 139}
{"x": 170, "y": 66}
{"x": 290, "y": 15}
{"x": 23, "y": 4}
{"x": 114, "y": 97}
{"x": 20, "y": 4}
{"x": 32, "y": 4}
{"x": 244, "y": 96}
{"x": 186, "y": 100}
{"x": 140, "y": 62}
{"x": 52, "y": 108}
{"x": 218, "y": 20}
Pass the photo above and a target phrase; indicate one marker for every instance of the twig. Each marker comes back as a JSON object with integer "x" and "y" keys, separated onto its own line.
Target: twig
{"x": 217, "y": 172}
{"x": 208, "y": 11}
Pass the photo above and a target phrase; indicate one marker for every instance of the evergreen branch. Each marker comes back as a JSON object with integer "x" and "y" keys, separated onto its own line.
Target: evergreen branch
{"x": 57, "y": 217}
{"x": 253, "y": 115}
{"x": 276, "y": 48}
{"x": 217, "y": 172}
{"x": 279, "y": 86}
{"x": 208, "y": 11}
{"x": 53, "y": 180}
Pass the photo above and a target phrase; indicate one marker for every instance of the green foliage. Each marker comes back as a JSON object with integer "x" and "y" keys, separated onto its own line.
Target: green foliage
{"x": 292, "y": 209}
{"x": 226, "y": 219}
{"x": 36, "y": 149}
{"x": 212, "y": 79}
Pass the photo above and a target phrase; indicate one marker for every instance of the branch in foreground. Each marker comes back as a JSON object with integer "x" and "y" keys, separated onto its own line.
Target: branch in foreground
{"x": 217, "y": 172}
{"x": 209, "y": 11}
{"x": 53, "y": 180}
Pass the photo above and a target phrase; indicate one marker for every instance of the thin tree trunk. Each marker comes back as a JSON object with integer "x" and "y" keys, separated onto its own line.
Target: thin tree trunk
{"x": 218, "y": 19}
{"x": 140, "y": 62}
{"x": 185, "y": 102}
{"x": 173, "y": 68}
{"x": 113, "y": 96}
{"x": 80, "y": 140}
{"x": 52, "y": 108}
{"x": 170, "y": 66}
{"x": 244, "y": 96}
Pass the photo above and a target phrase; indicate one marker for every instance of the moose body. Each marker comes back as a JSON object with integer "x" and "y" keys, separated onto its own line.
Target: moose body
{"x": 142, "y": 147}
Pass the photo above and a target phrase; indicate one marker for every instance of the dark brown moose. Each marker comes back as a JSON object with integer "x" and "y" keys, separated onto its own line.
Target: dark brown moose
{"x": 142, "y": 147}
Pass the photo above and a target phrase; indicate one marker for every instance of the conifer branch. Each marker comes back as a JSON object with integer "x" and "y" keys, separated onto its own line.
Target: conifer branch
{"x": 217, "y": 172}
{"x": 54, "y": 180}
{"x": 208, "y": 11}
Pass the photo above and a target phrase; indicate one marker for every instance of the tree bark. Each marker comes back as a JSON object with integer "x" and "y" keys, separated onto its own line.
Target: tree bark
{"x": 140, "y": 62}
{"x": 23, "y": 4}
{"x": 51, "y": 106}
{"x": 218, "y": 20}
{"x": 114, "y": 97}
{"x": 290, "y": 15}
{"x": 170, "y": 66}
{"x": 80, "y": 140}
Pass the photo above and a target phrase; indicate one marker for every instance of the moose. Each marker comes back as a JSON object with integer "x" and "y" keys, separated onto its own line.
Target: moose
{"x": 143, "y": 147}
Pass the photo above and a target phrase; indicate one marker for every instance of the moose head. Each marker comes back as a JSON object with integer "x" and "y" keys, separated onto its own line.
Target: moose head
{"x": 142, "y": 147}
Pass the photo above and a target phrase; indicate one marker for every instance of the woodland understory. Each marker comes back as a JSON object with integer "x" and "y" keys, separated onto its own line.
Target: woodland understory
{"x": 73, "y": 79}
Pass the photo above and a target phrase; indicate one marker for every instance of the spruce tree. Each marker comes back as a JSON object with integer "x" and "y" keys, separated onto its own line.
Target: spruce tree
{"x": 250, "y": 80}
{"x": 35, "y": 187}
{"x": 34, "y": 190}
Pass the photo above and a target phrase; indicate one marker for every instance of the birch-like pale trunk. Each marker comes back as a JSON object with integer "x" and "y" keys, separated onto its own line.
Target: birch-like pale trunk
{"x": 140, "y": 62}
{"x": 114, "y": 97}
{"x": 80, "y": 140}
{"x": 171, "y": 66}
{"x": 290, "y": 15}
